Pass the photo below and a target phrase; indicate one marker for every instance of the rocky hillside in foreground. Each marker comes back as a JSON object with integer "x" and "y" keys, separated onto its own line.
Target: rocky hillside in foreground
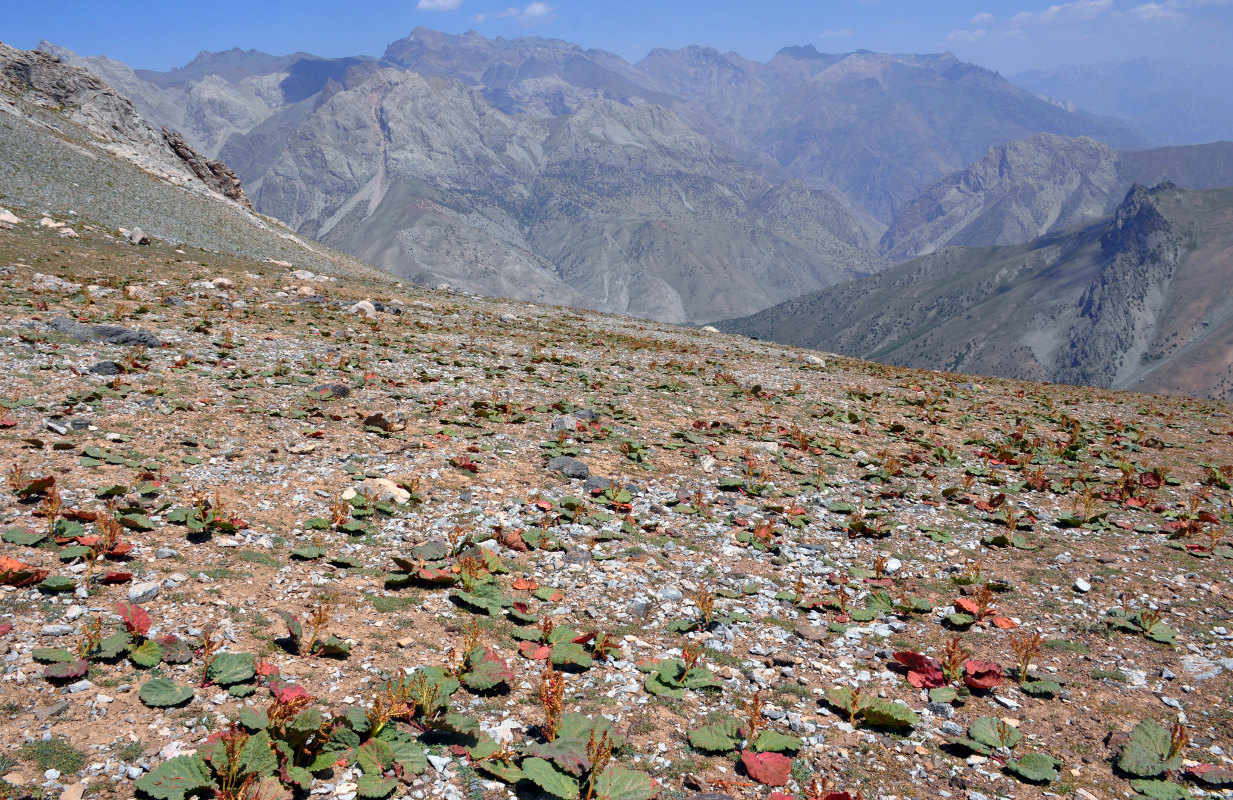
{"x": 73, "y": 148}
{"x": 1139, "y": 300}
{"x": 445, "y": 547}
{"x": 690, "y": 186}
{"x": 1025, "y": 189}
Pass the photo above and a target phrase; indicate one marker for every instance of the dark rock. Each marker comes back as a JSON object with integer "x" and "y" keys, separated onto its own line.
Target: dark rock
{"x": 596, "y": 483}
{"x": 111, "y": 334}
{"x": 55, "y": 709}
{"x": 334, "y": 389}
{"x": 105, "y": 368}
{"x": 578, "y": 555}
{"x": 79, "y": 424}
{"x": 214, "y": 174}
{"x": 640, "y": 608}
{"x": 569, "y": 467}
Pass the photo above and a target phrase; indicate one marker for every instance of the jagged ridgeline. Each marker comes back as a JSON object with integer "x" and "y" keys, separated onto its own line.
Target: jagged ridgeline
{"x": 1137, "y": 300}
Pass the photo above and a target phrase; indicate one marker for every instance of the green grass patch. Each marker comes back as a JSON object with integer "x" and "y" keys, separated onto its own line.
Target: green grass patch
{"x": 54, "y": 753}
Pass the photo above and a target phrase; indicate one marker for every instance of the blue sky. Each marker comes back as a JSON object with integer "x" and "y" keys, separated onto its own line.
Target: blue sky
{"x": 1007, "y": 35}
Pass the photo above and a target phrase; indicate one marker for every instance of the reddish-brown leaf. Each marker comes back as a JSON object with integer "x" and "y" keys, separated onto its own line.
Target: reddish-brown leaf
{"x": 923, "y": 672}
{"x": 770, "y": 769}
{"x": 967, "y": 606}
{"x": 1005, "y": 623}
{"x": 17, "y": 573}
{"x": 524, "y": 585}
{"x": 136, "y": 620}
{"x": 513, "y": 540}
{"x": 982, "y": 675}
{"x": 534, "y": 650}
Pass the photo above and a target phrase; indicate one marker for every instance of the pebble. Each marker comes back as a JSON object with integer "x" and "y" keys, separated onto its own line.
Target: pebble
{"x": 1082, "y": 586}
{"x": 143, "y": 592}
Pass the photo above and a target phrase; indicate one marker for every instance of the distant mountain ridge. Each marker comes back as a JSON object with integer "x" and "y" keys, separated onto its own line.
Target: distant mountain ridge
{"x": 1175, "y": 103}
{"x": 1138, "y": 300}
{"x": 691, "y": 186}
{"x": 1021, "y": 190}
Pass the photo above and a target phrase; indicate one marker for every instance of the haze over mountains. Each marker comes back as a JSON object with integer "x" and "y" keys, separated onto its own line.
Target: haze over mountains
{"x": 692, "y": 186}
{"x": 698, "y": 186}
{"x": 1138, "y": 300}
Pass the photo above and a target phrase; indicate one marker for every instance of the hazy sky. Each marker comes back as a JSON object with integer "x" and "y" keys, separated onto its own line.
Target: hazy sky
{"x": 1007, "y": 35}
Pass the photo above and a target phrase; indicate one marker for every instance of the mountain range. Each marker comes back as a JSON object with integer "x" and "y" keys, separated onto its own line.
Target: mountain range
{"x": 1137, "y": 300}
{"x": 772, "y": 200}
{"x": 691, "y": 186}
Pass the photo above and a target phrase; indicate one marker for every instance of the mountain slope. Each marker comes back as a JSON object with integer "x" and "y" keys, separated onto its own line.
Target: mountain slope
{"x": 691, "y": 186}
{"x": 1045, "y": 183}
{"x": 1139, "y": 300}
{"x": 73, "y": 148}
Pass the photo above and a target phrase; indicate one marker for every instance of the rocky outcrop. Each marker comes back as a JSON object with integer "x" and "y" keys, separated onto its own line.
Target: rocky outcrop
{"x": 1140, "y": 250}
{"x": 44, "y": 80}
{"x": 213, "y": 173}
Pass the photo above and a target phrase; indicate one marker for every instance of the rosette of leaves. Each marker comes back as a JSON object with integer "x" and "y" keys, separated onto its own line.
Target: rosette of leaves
{"x": 1152, "y": 750}
{"x": 314, "y": 645}
{"x": 924, "y": 672}
{"x": 989, "y": 735}
{"x": 485, "y": 671}
{"x": 671, "y": 677}
{"x": 227, "y": 763}
{"x": 726, "y": 734}
{"x": 384, "y": 754}
{"x": 562, "y": 645}
{"x": 875, "y": 712}
{"x": 563, "y": 767}
{"x": 205, "y": 519}
{"x": 883, "y": 602}
{"x": 1143, "y": 621}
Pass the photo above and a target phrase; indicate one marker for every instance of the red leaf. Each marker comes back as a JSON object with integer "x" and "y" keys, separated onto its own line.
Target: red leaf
{"x": 17, "y": 573}
{"x": 5, "y": 628}
{"x": 969, "y": 606}
{"x": 923, "y": 672}
{"x": 8, "y": 423}
{"x": 136, "y": 621}
{"x": 117, "y": 577}
{"x": 534, "y": 650}
{"x": 584, "y": 638}
{"x": 288, "y": 692}
{"x": 524, "y": 585}
{"x": 838, "y": 796}
{"x": 1005, "y": 623}
{"x": 780, "y": 796}
{"x": 981, "y": 675}
{"x": 771, "y": 769}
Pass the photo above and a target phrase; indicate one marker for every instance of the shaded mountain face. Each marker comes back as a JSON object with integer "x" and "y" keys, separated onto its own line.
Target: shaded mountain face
{"x": 1025, "y": 189}
{"x": 691, "y": 186}
{"x": 1138, "y": 300}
